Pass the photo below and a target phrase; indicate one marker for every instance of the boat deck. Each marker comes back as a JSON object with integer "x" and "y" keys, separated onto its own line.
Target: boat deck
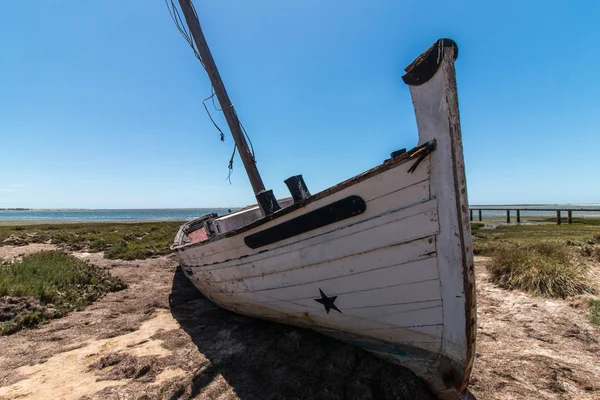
{"x": 197, "y": 236}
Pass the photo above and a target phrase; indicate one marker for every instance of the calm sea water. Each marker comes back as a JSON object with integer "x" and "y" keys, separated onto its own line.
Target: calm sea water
{"x": 178, "y": 214}
{"x": 594, "y": 210}
{"x": 187, "y": 214}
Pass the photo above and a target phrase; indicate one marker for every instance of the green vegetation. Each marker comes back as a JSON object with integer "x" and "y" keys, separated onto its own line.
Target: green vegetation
{"x": 128, "y": 241}
{"x": 564, "y": 220}
{"x": 48, "y": 285}
{"x": 476, "y": 225}
{"x": 542, "y": 259}
{"x": 546, "y": 268}
{"x": 486, "y": 240}
{"x": 595, "y": 311}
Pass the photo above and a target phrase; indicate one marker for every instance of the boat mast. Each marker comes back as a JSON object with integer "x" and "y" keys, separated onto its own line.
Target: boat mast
{"x": 265, "y": 198}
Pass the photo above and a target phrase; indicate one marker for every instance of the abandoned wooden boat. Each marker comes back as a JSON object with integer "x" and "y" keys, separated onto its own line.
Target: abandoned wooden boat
{"x": 382, "y": 260}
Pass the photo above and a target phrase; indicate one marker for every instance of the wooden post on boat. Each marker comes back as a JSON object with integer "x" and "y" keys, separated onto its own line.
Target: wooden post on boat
{"x": 558, "y": 221}
{"x": 518, "y": 216}
{"x": 479, "y": 214}
{"x": 265, "y": 198}
{"x": 508, "y": 216}
{"x": 570, "y": 216}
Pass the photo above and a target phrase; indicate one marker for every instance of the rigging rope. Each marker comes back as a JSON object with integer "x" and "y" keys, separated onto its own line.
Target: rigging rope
{"x": 182, "y": 27}
{"x": 210, "y": 116}
{"x": 231, "y": 164}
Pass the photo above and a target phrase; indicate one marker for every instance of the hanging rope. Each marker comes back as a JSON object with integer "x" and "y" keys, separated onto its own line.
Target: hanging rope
{"x": 182, "y": 28}
{"x": 231, "y": 164}
{"x": 210, "y": 116}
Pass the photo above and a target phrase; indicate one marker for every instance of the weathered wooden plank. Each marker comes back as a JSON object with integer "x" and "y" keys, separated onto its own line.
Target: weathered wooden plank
{"x": 394, "y": 308}
{"x": 341, "y": 244}
{"x": 289, "y": 275}
{"x": 414, "y": 194}
{"x": 412, "y": 318}
{"x": 323, "y": 235}
{"x": 388, "y": 182}
{"x": 403, "y": 274}
{"x": 434, "y": 330}
{"x": 300, "y": 314}
{"x": 379, "y": 296}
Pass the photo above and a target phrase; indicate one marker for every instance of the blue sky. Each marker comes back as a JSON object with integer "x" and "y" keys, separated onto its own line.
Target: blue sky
{"x": 100, "y": 102}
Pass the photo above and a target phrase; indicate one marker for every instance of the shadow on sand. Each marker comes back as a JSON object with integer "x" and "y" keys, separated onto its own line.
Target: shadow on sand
{"x": 264, "y": 360}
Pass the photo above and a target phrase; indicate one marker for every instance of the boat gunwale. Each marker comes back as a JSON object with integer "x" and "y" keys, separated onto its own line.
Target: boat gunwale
{"x": 423, "y": 149}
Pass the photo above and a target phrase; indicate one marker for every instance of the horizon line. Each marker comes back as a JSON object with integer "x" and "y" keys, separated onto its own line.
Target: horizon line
{"x": 238, "y": 207}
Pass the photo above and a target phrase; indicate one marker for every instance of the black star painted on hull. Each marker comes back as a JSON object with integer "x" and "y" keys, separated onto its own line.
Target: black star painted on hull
{"x": 328, "y": 302}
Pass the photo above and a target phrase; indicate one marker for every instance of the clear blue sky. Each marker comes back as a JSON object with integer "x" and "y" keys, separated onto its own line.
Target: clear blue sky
{"x": 100, "y": 101}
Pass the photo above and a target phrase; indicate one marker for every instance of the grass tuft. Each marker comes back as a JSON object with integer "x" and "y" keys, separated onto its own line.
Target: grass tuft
{"x": 48, "y": 285}
{"x": 546, "y": 268}
{"x": 595, "y": 312}
{"x": 476, "y": 226}
{"x": 29, "y": 319}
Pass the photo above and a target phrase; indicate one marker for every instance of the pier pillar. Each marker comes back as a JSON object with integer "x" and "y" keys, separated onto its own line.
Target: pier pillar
{"x": 471, "y": 215}
{"x": 558, "y": 221}
{"x": 479, "y": 214}
{"x": 508, "y": 216}
{"x": 570, "y": 216}
{"x": 518, "y": 216}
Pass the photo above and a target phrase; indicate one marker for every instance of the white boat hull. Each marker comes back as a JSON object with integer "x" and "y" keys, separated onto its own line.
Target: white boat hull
{"x": 392, "y": 272}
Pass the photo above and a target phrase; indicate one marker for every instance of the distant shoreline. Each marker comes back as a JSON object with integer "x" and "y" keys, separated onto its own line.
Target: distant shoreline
{"x": 71, "y": 209}
{"x": 24, "y": 217}
{"x": 70, "y": 216}
{"x": 13, "y": 209}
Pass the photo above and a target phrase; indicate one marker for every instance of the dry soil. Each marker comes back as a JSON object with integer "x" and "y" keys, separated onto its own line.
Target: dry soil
{"x": 160, "y": 339}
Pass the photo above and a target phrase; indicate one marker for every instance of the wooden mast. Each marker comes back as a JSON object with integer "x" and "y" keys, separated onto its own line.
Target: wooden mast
{"x": 265, "y": 198}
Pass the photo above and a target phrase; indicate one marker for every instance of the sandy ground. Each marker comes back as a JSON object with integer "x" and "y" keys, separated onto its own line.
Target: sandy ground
{"x": 160, "y": 339}
{"x": 9, "y": 253}
{"x": 533, "y": 348}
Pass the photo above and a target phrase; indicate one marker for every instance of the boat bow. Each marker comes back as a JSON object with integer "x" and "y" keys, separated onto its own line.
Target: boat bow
{"x": 432, "y": 81}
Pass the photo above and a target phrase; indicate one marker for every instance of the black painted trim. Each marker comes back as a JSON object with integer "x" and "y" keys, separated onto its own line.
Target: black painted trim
{"x": 329, "y": 214}
{"x": 426, "y": 65}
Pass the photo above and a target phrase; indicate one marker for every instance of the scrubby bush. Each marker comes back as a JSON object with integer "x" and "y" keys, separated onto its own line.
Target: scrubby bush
{"x": 547, "y": 269}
